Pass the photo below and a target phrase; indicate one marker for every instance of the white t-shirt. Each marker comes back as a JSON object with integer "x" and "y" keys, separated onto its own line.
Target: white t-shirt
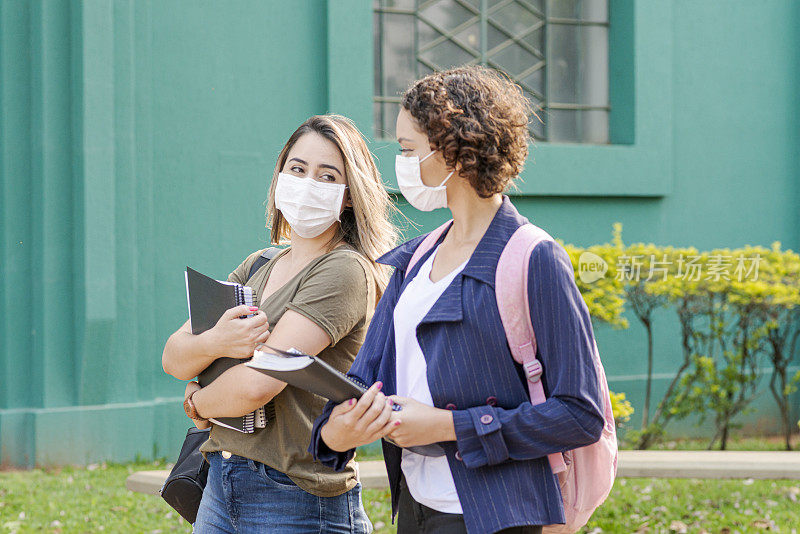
{"x": 429, "y": 478}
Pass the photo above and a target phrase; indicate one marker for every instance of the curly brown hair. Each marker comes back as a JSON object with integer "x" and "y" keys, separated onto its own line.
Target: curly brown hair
{"x": 478, "y": 118}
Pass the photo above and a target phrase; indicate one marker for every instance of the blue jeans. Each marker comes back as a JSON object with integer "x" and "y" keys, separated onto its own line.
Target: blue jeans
{"x": 244, "y": 496}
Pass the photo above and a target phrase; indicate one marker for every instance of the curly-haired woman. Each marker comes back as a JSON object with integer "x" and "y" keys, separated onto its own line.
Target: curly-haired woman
{"x": 437, "y": 345}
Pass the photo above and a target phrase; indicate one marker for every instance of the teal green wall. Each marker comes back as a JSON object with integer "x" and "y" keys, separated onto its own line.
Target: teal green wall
{"x": 137, "y": 137}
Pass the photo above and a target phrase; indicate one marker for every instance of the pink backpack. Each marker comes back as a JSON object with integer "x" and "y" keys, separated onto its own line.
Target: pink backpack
{"x": 586, "y": 474}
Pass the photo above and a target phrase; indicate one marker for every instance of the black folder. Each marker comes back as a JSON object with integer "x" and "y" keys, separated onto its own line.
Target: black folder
{"x": 310, "y": 373}
{"x": 306, "y": 372}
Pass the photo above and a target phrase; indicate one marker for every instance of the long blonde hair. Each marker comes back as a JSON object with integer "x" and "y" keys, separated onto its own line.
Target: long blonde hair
{"x": 366, "y": 226}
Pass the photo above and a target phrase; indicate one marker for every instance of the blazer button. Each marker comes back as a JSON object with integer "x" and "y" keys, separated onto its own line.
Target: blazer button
{"x": 458, "y": 456}
{"x": 486, "y": 419}
{"x": 450, "y": 406}
{"x": 491, "y": 401}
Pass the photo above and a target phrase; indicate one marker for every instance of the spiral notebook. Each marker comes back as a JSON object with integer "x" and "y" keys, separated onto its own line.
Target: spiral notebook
{"x": 208, "y": 299}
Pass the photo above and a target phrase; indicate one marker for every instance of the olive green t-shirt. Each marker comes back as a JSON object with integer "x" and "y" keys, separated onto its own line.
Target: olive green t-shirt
{"x": 337, "y": 292}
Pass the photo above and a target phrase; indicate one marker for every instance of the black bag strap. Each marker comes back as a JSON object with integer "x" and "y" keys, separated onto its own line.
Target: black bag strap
{"x": 265, "y": 256}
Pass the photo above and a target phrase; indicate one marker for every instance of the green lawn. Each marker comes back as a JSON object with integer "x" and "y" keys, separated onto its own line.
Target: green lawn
{"x": 94, "y": 499}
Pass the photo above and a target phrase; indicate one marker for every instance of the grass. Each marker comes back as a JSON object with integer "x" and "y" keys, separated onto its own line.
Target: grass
{"x": 718, "y": 506}
{"x": 94, "y": 499}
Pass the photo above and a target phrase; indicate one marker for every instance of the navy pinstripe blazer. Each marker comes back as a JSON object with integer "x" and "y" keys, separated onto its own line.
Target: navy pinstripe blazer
{"x": 499, "y": 463}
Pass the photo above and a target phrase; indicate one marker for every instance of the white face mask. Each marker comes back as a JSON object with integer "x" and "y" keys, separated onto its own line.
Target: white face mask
{"x": 409, "y": 179}
{"x": 310, "y": 207}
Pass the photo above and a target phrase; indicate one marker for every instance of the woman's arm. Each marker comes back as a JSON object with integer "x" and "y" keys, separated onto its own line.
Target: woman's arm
{"x": 186, "y": 355}
{"x": 572, "y": 415}
{"x": 330, "y": 302}
{"x": 241, "y": 389}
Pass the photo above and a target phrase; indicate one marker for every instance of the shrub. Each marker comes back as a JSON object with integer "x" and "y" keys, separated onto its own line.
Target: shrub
{"x": 732, "y": 316}
{"x": 621, "y": 408}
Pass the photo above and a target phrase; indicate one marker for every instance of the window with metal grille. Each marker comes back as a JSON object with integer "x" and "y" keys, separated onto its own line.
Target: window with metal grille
{"x": 556, "y": 50}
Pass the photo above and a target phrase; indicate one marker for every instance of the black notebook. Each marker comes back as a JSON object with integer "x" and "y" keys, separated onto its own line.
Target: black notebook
{"x": 306, "y": 372}
{"x": 208, "y": 299}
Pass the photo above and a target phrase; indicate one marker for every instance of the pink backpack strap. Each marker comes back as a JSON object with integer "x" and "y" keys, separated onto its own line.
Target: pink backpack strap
{"x": 427, "y": 244}
{"x": 511, "y": 290}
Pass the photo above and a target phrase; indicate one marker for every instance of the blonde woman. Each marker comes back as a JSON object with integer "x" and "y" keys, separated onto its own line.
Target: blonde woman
{"x": 316, "y": 295}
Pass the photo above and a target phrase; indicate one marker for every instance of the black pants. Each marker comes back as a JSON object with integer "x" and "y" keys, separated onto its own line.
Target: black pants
{"x": 416, "y": 518}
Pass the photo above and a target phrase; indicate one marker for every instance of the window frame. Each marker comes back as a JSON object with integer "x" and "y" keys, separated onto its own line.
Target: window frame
{"x": 637, "y": 163}
{"x": 482, "y": 17}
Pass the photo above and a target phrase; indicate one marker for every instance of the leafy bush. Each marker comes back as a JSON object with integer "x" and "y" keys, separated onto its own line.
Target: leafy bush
{"x": 736, "y": 308}
{"x": 621, "y": 408}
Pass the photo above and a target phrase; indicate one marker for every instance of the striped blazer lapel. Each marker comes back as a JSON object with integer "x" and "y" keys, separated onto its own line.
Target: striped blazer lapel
{"x": 448, "y": 308}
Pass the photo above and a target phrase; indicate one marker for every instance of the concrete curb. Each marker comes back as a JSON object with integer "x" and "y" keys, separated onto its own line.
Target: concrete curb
{"x": 710, "y": 464}
{"x": 632, "y": 464}
{"x": 146, "y": 481}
